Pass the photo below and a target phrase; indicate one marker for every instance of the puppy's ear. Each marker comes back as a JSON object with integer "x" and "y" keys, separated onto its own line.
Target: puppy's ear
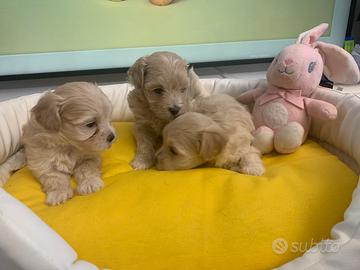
{"x": 196, "y": 87}
{"x": 47, "y": 111}
{"x": 213, "y": 140}
{"x": 136, "y": 73}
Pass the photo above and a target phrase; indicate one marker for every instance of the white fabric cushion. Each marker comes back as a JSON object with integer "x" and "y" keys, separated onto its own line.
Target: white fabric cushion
{"x": 26, "y": 242}
{"x": 13, "y": 115}
{"x": 344, "y": 132}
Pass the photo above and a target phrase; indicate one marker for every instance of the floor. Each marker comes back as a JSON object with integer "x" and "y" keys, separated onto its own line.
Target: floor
{"x": 13, "y": 89}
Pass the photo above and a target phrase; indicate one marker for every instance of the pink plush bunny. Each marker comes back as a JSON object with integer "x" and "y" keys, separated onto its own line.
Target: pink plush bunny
{"x": 282, "y": 112}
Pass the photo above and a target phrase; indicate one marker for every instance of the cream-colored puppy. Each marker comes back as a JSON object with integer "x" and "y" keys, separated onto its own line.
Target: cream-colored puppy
{"x": 164, "y": 85}
{"x": 218, "y": 131}
{"x": 67, "y": 131}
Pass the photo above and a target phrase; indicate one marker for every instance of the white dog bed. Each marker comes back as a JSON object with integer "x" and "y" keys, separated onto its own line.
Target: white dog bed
{"x": 28, "y": 243}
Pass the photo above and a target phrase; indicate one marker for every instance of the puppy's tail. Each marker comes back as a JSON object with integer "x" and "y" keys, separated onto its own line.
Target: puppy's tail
{"x": 14, "y": 163}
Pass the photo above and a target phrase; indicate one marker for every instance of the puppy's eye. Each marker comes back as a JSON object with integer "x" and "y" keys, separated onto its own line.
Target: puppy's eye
{"x": 91, "y": 124}
{"x": 158, "y": 91}
{"x": 183, "y": 90}
{"x": 173, "y": 151}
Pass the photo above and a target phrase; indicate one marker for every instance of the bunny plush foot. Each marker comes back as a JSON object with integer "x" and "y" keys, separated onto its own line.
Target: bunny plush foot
{"x": 264, "y": 139}
{"x": 289, "y": 138}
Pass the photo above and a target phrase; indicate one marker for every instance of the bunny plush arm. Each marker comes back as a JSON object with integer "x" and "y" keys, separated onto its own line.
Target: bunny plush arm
{"x": 320, "y": 109}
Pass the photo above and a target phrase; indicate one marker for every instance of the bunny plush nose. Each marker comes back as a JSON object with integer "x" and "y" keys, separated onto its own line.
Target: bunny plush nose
{"x": 288, "y": 61}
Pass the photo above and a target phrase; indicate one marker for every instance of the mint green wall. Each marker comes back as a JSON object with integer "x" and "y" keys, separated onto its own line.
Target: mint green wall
{"x": 63, "y": 35}
{"x": 28, "y": 26}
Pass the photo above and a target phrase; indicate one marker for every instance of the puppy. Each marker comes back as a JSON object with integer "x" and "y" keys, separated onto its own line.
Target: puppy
{"x": 218, "y": 131}
{"x": 67, "y": 131}
{"x": 164, "y": 86}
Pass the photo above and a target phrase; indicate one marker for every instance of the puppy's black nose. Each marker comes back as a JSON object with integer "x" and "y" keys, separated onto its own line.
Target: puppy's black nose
{"x": 110, "y": 138}
{"x": 174, "y": 110}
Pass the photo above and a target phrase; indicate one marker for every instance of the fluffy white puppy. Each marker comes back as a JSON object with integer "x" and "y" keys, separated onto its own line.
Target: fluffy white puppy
{"x": 67, "y": 131}
{"x": 217, "y": 131}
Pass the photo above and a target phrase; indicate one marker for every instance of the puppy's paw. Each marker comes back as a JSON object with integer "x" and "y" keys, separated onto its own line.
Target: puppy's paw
{"x": 256, "y": 169}
{"x": 140, "y": 163}
{"x": 90, "y": 185}
{"x": 231, "y": 166}
{"x": 59, "y": 196}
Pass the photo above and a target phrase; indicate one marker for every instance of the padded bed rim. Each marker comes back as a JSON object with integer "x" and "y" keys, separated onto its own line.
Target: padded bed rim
{"x": 41, "y": 243}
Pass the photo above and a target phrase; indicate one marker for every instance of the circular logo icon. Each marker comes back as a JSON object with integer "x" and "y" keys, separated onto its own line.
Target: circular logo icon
{"x": 279, "y": 246}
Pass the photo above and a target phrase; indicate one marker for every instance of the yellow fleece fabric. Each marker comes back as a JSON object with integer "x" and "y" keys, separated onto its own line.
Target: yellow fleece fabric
{"x": 203, "y": 218}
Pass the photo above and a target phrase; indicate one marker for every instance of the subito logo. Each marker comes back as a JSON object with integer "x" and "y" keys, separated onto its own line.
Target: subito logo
{"x": 280, "y": 246}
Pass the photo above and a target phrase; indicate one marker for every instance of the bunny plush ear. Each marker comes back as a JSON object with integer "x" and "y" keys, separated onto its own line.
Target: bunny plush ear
{"x": 339, "y": 65}
{"x": 312, "y": 35}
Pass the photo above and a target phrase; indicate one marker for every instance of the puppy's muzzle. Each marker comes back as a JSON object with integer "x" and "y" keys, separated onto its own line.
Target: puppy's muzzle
{"x": 174, "y": 110}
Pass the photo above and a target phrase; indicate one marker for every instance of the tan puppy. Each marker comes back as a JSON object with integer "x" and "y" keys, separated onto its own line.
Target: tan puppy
{"x": 164, "y": 86}
{"x": 65, "y": 135}
{"x": 218, "y": 131}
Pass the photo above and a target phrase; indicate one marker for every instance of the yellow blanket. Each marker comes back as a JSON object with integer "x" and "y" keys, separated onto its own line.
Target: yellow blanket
{"x": 197, "y": 219}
